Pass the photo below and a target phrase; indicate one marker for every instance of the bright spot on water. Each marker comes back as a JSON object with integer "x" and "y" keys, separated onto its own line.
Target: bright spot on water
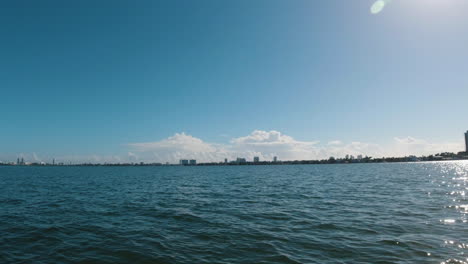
{"x": 378, "y": 6}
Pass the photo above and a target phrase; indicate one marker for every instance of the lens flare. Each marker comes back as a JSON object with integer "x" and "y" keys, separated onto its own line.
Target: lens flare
{"x": 378, "y": 6}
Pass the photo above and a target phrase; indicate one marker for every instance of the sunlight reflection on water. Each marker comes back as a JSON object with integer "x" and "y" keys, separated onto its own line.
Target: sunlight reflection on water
{"x": 397, "y": 213}
{"x": 456, "y": 194}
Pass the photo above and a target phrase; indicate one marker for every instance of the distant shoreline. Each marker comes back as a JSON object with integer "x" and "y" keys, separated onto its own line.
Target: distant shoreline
{"x": 367, "y": 160}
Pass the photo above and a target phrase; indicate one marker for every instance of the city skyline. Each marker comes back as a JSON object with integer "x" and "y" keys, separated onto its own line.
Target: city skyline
{"x": 162, "y": 81}
{"x": 261, "y": 145}
{"x": 442, "y": 156}
{"x": 242, "y": 131}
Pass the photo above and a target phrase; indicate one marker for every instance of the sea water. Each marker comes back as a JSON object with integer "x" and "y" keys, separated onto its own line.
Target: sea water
{"x": 347, "y": 213}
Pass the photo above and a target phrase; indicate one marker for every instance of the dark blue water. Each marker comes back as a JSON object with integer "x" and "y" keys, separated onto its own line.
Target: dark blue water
{"x": 360, "y": 213}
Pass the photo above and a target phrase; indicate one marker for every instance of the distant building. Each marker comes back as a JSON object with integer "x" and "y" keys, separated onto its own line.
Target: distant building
{"x": 256, "y": 159}
{"x": 183, "y": 162}
{"x": 466, "y": 142}
{"x": 17, "y": 161}
{"x": 275, "y": 159}
{"x": 241, "y": 160}
{"x": 193, "y": 162}
{"x": 225, "y": 161}
{"x": 359, "y": 157}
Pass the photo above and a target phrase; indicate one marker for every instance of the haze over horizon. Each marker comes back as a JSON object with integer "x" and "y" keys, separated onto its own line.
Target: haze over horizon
{"x": 156, "y": 81}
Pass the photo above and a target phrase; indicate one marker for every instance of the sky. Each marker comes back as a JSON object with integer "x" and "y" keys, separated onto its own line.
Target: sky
{"x": 156, "y": 81}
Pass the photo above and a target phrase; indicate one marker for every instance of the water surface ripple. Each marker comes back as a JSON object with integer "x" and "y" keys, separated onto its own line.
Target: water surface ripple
{"x": 357, "y": 213}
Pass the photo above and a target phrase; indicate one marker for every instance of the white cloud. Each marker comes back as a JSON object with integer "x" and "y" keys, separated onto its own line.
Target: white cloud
{"x": 414, "y": 146}
{"x": 264, "y": 144}
{"x": 267, "y": 144}
{"x": 179, "y": 142}
{"x": 335, "y": 142}
{"x": 179, "y": 146}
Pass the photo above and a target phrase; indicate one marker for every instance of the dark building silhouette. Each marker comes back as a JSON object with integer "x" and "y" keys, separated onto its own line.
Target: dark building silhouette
{"x": 241, "y": 160}
{"x": 466, "y": 141}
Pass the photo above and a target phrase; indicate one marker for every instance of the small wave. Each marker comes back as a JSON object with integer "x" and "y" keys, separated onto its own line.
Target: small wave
{"x": 454, "y": 261}
{"x": 11, "y": 201}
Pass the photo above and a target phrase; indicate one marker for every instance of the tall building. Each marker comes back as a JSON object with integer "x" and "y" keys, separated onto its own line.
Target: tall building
{"x": 193, "y": 162}
{"x": 256, "y": 159}
{"x": 241, "y": 160}
{"x": 466, "y": 141}
{"x": 275, "y": 159}
{"x": 183, "y": 162}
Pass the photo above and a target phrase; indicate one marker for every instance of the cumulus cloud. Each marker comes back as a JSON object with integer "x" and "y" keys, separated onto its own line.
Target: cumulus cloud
{"x": 264, "y": 144}
{"x": 262, "y": 138}
{"x": 178, "y": 142}
{"x": 267, "y": 144}
{"x": 179, "y": 146}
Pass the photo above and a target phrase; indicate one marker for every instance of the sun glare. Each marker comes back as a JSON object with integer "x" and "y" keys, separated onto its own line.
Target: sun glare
{"x": 379, "y": 6}
{"x": 429, "y": 7}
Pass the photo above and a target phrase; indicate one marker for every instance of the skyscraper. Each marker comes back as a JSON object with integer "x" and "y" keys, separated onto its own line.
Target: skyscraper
{"x": 466, "y": 141}
{"x": 241, "y": 160}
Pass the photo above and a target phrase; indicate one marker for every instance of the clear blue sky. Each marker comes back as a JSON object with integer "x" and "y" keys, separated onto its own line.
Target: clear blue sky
{"x": 90, "y": 76}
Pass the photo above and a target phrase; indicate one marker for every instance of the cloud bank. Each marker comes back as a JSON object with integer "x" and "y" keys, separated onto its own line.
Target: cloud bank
{"x": 267, "y": 144}
{"x": 264, "y": 144}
